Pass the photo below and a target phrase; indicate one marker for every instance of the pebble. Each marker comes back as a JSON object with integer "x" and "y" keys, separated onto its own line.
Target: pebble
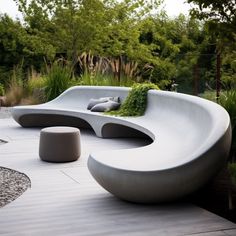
{"x": 12, "y": 185}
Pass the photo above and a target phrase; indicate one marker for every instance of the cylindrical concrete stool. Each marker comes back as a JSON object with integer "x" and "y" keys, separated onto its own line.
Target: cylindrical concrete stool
{"x": 59, "y": 144}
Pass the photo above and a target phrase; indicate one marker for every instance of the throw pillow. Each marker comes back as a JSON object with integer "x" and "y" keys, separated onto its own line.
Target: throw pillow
{"x": 93, "y": 101}
{"x": 106, "y": 106}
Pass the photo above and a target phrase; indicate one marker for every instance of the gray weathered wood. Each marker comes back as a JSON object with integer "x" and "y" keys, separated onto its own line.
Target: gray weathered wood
{"x": 66, "y": 200}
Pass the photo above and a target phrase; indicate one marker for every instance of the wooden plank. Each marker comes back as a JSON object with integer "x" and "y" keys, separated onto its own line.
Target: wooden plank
{"x": 66, "y": 200}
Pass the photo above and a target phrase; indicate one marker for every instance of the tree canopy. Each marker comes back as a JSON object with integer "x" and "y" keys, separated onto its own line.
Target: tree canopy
{"x": 130, "y": 35}
{"x": 220, "y": 14}
{"x": 88, "y": 25}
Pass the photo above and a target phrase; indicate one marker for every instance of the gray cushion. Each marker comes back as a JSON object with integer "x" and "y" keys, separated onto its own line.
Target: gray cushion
{"x": 106, "y": 106}
{"x": 93, "y": 101}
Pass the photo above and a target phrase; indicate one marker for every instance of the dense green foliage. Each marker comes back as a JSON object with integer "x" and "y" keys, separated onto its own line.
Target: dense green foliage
{"x": 115, "y": 43}
{"x": 221, "y": 15}
{"x": 57, "y": 80}
{"x": 73, "y": 26}
{"x": 136, "y": 101}
{"x": 228, "y": 101}
{"x": 2, "y": 91}
{"x": 104, "y": 80}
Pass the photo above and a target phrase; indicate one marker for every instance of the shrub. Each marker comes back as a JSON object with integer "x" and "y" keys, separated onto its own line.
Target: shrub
{"x": 136, "y": 101}
{"x": 5, "y": 75}
{"x": 15, "y": 89}
{"x": 36, "y": 88}
{"x": 2, "y": 90}
{"x": 163, "y": 73}
{"x": 35, "y": 81}
{"x": 57, "y": 80}
{"x": 18, "y": 94}
{"x": 104, "y": 80}
{"x": 228, "y": 101}
{"x": 14, "y": 93}
{"x": 30, "y": 100}
{"x": 209, "y": 95}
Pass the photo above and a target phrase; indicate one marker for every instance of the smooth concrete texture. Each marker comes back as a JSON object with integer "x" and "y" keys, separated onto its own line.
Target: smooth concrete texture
{"x": 59, "y": 144}
{"x": 65, "y": 200}
{"x": 191, "y": 139}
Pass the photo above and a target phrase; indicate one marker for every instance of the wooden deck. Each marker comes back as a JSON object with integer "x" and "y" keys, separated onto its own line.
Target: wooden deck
{"x": 65, "y": 200}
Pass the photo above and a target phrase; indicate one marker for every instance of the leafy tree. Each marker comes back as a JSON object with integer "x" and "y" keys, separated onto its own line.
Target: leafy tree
{"x": 221, "y": 15}
{"x": 17, "y": 45}
{"x": 178, "y": 44}
{"x": 160, "y": 48}
{"x": 11, "y": 43}
{"x": 79, "y": 28}
{"x": 88, "y": 25}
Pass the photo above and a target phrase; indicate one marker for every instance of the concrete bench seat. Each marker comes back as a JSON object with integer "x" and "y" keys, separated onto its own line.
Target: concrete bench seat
{"x": 190, "y": 136}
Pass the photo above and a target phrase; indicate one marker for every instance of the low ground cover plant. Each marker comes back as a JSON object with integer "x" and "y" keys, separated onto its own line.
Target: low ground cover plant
{"x": 136, "y": 101}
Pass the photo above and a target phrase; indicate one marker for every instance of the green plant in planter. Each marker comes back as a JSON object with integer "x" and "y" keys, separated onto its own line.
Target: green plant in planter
{"x": 136, "y": 101}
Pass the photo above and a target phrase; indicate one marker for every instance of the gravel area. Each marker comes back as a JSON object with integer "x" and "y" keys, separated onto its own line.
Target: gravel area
{"x": 5, "y": 112}
{"x": 12, "y": 185}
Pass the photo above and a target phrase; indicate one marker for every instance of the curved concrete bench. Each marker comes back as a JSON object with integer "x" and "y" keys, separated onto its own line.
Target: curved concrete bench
{"x": 191, "y": 139}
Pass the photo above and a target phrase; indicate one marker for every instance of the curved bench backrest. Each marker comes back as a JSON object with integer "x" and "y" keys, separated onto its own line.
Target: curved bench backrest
{"x": 191, "y": 140}
{"x": 79, "y": 96}
{"x": 197, "y": 123}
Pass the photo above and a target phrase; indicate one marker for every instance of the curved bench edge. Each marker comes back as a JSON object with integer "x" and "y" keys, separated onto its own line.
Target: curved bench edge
{"x": 155, "y": 186}
{"x": 147, "y": 186}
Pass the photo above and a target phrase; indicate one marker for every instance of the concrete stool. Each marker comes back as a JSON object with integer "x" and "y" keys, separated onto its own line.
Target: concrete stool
{"x": 59, "y": 144}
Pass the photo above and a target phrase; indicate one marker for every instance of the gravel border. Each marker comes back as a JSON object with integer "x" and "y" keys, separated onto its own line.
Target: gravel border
{"x": 12, "y": 185}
